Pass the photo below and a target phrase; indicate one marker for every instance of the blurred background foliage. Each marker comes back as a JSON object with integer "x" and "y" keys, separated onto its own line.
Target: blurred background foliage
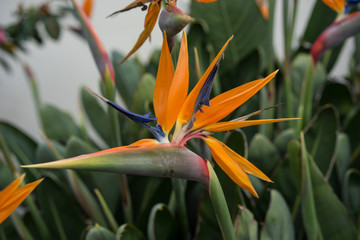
{"x": 314, "y": 162}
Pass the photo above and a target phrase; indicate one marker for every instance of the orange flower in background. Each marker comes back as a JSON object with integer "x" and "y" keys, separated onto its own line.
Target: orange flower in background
{"x": 13, "y": 195}
{"x": 263, "y": 6}
{"x": 151, "y": 18}
{"x": 337, "y": 5}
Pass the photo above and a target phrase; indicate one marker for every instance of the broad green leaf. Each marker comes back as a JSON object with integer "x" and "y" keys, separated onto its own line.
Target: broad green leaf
{"x": 246, "y": 226}
{"x": 99, "y": 233}
{"x": 338, "y": 94}
{"x": 75, "y": 146}
{"x": 127, "y": 76}
{"x": 351, "y": 129}
{"x": 57, "y": 124}
{"x": 96, "y": 115}
{"x": 331, "y": 214}
{"x": 263, "y": 154}
{"x": 226, "y": 18}
{"x": 161, "y": 225}
{"x": 86, "y": 199}
{"x": 129, "y": 232}
{"x": 321, "y": 137}
{"x": 17, "y": 139}
{"x": 278, "y": 222}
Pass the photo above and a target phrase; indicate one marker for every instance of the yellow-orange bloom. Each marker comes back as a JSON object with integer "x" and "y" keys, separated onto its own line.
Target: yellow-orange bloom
{"x": 13, "y": 195}
{"x": 336, "y": 5}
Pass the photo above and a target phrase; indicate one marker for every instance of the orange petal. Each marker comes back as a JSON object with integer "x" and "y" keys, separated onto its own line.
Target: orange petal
{"x": 5, "y": 194}
{"x": 263, "y": 6}
{"x": 16, "y": 198}
{"x": 229, "y": 165}
{"x": 87, "y": 7}
{"x": 179, "y": 86}
{"x": 225, "y": 103}
{"x": 336, "y": 5}
{"x": 164, "y": 78}
{"x": 206, "y": 1}
{"x": 187, "y": 109}
{"x": 150, "y": 20}
{"x": 227, "y": 126}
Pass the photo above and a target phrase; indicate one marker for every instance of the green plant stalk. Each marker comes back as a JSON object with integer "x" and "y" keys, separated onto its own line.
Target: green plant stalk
{"x": 21, "y": 228}
{"x": 59, "y": 226}
{"x": 43, "y": 229}
{"x": 114, "y": 122}
{"x": 220, "y": 206}
{"x": 306, "y": 95}
{"x": 2, "y": 233}
{"x": 178, "y": 186}
{"x": 113, "y": 224}
{"x": 288, "y": 29}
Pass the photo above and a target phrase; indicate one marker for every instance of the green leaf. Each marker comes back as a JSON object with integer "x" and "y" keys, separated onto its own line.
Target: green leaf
{"x": 86, "y": 199}
{"x": 321, "y": 137}
{"x": 351, "y": 192}
{"x": 263, "y": 154}
{"x": 99, "y": 233}
{"x": 17, "y": 139}
{"x": 75, "y": 146}
{"x": 96, "y": 115}
{"x": 310, "y": 219}
{"x": 246, "y": 226}
{"x": 338, "y": 94}
{"x": 351, "y": 129}
{"x": 232, "y": 17}
{"x": 278, "y": 222}
{"x": 127, "y": 76}
{"x": 161, "y": 224}
{"x": 343, "y": 154}
{"x": 52, "y": 27}
{"x": 129, "y": 232}
{"x": 331, "y": 214}
{"x": 283, "y": 138}
{"x": 57, "y": 124}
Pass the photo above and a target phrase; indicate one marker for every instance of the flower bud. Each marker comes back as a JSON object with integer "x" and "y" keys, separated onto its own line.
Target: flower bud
{"x": 173, "y": 20}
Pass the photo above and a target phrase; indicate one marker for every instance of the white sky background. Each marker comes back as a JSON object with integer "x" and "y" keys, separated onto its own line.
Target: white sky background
{"x": 64, "y": 66}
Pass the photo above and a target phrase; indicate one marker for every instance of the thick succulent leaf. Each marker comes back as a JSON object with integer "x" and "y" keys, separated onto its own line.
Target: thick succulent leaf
{"x": 161, "y": 225}
{"x": 352, "y": 192}
{"x": 278, "y": 222}
{"x": 246, "y": 227}
{"x": 343, "y": 155}
{"x": 226, "y": 18}
{"x": 127, "y": 76}
{"x": 261, "y": 148}
{"x": 351, "y": 129}
{"x": 57, "y": 124}
{"x": 163, "y": 160}
{"x": 129, "y": 232}
{"x": 99, "y": 233}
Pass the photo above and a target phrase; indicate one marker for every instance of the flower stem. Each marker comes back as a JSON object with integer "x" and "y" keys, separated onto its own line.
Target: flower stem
{"x": 178, "y": 186}
{"x": 220, "y": 206}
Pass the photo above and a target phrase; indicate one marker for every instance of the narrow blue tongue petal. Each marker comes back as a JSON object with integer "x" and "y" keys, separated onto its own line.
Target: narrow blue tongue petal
{"x": 139, "y": 119}
{"x": 204, "y": 94}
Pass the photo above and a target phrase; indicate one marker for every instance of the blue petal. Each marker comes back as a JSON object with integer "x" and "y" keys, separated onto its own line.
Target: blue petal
{"x": 204, "y": 95}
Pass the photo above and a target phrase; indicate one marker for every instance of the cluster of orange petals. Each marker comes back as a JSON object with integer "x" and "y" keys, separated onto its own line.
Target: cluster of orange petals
{"x": 173, "y": 104}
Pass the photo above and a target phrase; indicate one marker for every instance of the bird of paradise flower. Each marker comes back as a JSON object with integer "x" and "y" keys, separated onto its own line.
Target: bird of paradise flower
{"x": 346, "y": 24}
{"x": 13, "y": 195}
{"x": 194, "y": 116}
